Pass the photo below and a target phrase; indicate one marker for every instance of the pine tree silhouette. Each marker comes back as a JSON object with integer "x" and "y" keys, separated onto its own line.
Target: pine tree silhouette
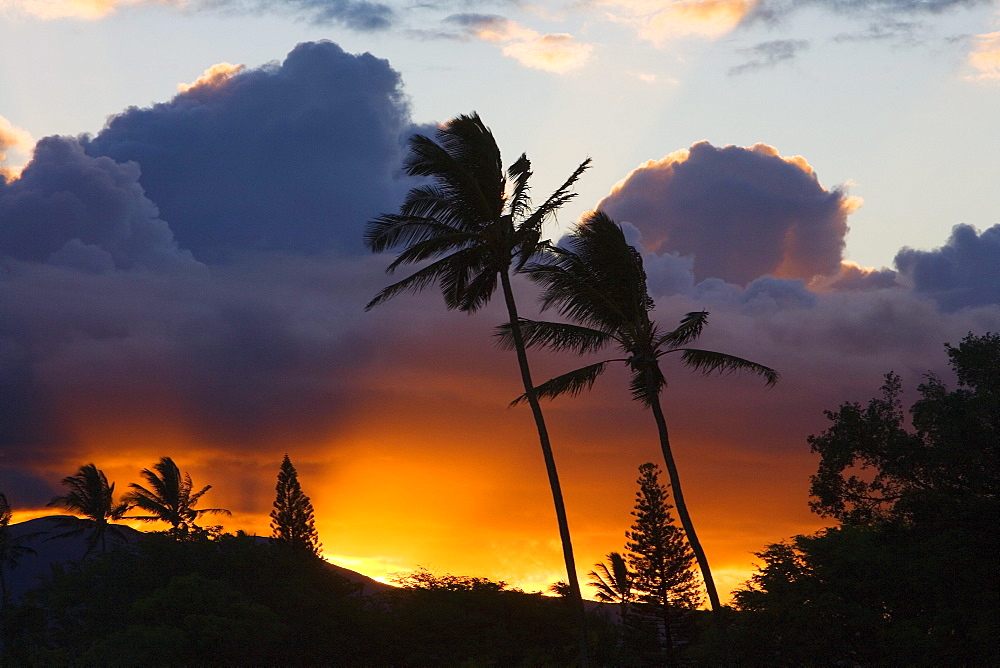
{"x": 292, "y": 520}
{"x": 661, "y": 559}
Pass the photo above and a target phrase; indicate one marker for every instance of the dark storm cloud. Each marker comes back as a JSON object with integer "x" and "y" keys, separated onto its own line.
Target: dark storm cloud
{"x": 110, "y": 325}
{"x": 964, "y": 272}
{"x": 88, "y": 212}
{"x": 769, "y": 54}
{"x": 292, "y": 157}
{"x": 737, "y": 213}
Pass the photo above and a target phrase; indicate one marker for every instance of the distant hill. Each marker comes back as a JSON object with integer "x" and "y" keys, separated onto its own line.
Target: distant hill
{"x": 45, "y": 535}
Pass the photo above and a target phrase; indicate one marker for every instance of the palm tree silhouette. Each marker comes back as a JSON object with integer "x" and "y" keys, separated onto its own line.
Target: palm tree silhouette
{"x": 170, "y": 498}
{"x": 11, "y": 549}
{"x": 597, "y": 280}
{"x": 90, "y": 495}
{"x": 614, "y": 582}
{"x": 473, "y": 225}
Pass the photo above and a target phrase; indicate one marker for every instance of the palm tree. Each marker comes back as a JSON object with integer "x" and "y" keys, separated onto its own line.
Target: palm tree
{"x": 170, "y": 498}
{"x": 472, "y": 226}
{"x": 597, "y": 280}
{"x": 614, "y": 583}
{"x": 90, "y": 495}
{"x": 11, "y": 549}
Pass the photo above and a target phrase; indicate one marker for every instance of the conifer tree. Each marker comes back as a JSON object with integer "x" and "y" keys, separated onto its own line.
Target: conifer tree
{"x": 662, "y": 562}
{"x": 292, "y": 520}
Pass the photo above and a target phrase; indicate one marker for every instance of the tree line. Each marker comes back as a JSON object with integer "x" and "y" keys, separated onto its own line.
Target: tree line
{"x": 168, "y": 496}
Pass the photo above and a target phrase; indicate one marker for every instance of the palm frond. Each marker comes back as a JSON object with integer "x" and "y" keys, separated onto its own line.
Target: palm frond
{"x": 390, "y": 230}
{"x": 572, "y": 383}
{"x": 519, "y": 173}
{"x": 449, "y": 270}
{"x": 556, "y": 200}
{"x": 431, "y": 248}
{"x": 476, "y": 293}
{"x": 690, "y": 329}
{"x": 558, "y": 336}
{"x": 707, "y": 362}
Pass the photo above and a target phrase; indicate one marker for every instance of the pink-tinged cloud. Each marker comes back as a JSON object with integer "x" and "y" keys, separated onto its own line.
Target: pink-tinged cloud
{"x": 553, "y": 52}
{"x": 659, "y": 21}
{"x": 359, "y": 15}
{"x": 74, "y": 9}
{"x": 738, "y": 213}
{"x": 12, "y": 140}
{"x": 216, "y": 75}
{"x": 984, "y": 60}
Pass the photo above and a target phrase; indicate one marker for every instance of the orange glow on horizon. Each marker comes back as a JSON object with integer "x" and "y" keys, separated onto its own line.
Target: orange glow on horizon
{"x": 388, "y": 501}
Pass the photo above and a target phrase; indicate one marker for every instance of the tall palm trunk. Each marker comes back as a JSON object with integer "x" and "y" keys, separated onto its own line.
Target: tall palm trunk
{"x": 685, "y": 517}
{"x": 550, "y": 462}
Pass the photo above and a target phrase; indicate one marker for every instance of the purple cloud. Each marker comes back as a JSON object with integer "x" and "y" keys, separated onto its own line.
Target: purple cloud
{"x": 293, "y": 156}
{"x": 739, "y": 213}
{"x": 963, "y": 272}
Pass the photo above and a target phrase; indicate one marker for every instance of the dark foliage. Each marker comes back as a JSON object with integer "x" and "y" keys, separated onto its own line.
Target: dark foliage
{"x": 210, "y": 601}
{"x": 912, "y": 576}
{"x": 238, "y": 600}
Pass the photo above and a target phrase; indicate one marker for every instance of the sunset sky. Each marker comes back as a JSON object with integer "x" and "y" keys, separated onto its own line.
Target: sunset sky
{"x": 183, "y": 186}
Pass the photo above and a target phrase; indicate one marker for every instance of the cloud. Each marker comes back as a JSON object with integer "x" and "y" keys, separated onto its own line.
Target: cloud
{"x": 739, "y": 213}
{"x": 659, "y": 22}
{"x": 216, "y": 75}
{"x": 984, "y": 60}
{"x": 769, "y": 54}
{"x": 74, "y": 9}
{"x": 775, "y": 11}
{"x": 12, "y": 140}
{"x": 553, "y": 52}
{"x": 360, "y": 15}
{"x": 91, "y": 213}
{"x": 895, "y": 31}
{"x": 964, "y": 272}
{"x": 293, "y": 156}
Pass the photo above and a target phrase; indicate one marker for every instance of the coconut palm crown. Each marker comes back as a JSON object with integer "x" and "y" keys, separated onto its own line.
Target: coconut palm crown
{"x": 596, "y": 280}
{"x": 471, "y": 222}
{"x": 169, "y": 497}
{"x": 92, "y": 496}
{"x": 613, "y": 582}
